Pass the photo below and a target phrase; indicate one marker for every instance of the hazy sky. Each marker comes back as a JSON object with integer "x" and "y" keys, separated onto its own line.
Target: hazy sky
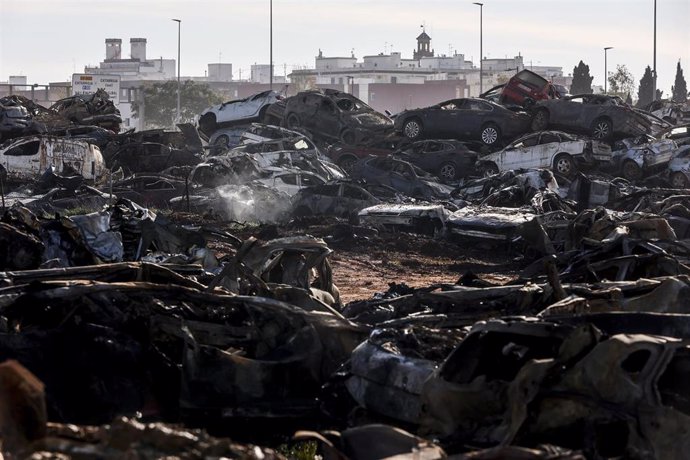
{"x": 48, "y": 40}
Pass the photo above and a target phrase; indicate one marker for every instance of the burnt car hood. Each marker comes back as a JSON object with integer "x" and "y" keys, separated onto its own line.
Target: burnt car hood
{"x": 369, "y": 121}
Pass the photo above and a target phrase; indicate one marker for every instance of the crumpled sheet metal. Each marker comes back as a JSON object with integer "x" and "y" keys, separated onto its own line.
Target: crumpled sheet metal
{"x": 388, "y": 383}
{"x": 107, "y": 348}
{"x": 516, "y": 383}
{"x": 129, "y": 438}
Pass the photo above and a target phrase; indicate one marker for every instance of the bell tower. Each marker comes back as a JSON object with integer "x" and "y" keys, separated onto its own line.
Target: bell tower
{"x": 423, "y": 46}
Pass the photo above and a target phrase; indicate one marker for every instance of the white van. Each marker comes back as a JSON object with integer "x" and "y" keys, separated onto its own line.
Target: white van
{"x": 28, "y": 157}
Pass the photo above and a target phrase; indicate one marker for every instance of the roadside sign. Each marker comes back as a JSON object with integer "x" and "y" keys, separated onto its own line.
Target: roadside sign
{"x": 89, "y": 84}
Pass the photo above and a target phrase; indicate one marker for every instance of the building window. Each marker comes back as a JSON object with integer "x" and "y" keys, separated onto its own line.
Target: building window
{"x": 394, "y": 79}
{"x": 332, "y": 80}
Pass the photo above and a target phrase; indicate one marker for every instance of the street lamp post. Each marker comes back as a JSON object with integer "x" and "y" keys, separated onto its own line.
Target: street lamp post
{"x": 606, "y": 74}
{"x": 654, "y": 71}
{"x": 179, "y": 25}
{"x": 270, "y": 57}
{"x": 481, "y": 51}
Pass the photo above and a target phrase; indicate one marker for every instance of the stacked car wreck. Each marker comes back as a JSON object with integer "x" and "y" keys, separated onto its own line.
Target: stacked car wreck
{"x": 160, "y": 280}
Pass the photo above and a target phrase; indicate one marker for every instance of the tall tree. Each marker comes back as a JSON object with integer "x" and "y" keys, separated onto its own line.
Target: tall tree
{"x": 645, "y": 93}
{"x": 158, "y": 103}
{"x": 582, "y": 81}
{"x": 621, "y": 81}
{"x": 680, "y": 88}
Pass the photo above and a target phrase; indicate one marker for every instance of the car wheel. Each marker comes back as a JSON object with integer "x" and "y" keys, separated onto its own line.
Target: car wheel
{"x": 489, "y": 169}
{"x": 448, "y": 171}
{"x": 564, "y": 164}
{"x": 348, "y": 137}
{"x": 302, "y": 211}
{"x": 679, "y": 180}
{"x": 632, "y": 170}
{"x": 412, "y": 129}
{"x": 222, "y": 142}
{"x": 490, "y": 134}
{"x": 207, "y": 123}
{"x": 293, "y": 121}
{"x": 540, "y": 120}
{"x": 602, "y": 129}
{"x": 346, "y": 163}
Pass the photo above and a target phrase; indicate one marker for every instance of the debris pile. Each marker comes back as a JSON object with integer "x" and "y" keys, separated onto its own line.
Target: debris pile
{"x": 171, "y": 294}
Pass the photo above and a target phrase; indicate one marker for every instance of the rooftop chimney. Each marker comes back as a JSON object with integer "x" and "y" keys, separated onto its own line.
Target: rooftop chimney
{"x": 113, "y": 48}
{"x": 138, "y": 48}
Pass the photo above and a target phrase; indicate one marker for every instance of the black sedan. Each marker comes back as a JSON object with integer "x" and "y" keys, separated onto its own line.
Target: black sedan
{"x": 464, "y": 119}
{"x": 602, "y": 117}
{"x": 447, "y": 159}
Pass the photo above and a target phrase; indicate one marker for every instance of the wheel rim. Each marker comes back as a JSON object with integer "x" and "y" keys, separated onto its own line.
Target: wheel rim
{"x": 293, "y": 121}
{"x": 222, "y": 141}
{"x": 563, "y": 166}
{"x": 490, "y": 171}
{"x": 631, "y": 171}
{"x": 678, "y": 180}
{"x": 346, "y": 164}
{"x": 448, "y": 171}
{"x": 412, "y": 129}
{"x": 540, "y": 121}
{"x": 489, "y": 135}
{"x": 601, "y": 130}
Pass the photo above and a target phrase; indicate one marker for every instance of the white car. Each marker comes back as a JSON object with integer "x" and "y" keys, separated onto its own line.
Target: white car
{"x": 238, "y": 111}
{"x": 557, "y": 150}
{"x": 28, "y": 157}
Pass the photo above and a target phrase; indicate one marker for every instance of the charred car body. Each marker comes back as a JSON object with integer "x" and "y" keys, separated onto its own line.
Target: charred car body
{"x": 335, "y": 116}
{"x": 642, "y": 155}
{"x": 26, "y": 158}
{"x": 402, "y": 176}
{"x": 90, "y": 109}
{"x": 447, "y": 159}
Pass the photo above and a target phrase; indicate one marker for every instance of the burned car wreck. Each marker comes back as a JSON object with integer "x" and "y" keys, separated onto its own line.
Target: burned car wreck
{"x": 331, "y": 288}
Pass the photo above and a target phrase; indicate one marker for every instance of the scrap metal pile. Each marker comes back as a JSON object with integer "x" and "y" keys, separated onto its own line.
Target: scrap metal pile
{"x": 183, "y": 293}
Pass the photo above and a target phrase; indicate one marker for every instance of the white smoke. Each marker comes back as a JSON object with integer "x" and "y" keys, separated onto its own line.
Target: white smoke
{"x": 253, "y": 203}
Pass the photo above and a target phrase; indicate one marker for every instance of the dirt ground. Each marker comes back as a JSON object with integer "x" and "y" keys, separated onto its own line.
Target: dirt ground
{"x": 365, "y": 261}
{"x": 361, "y": 270}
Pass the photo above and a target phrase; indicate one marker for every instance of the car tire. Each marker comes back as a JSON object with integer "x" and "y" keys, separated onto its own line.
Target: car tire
{"x": 540, "y": 121}
{"x": 631, "y": 170}
{"x": 489, "y": 169}
{"x": 490, "y": 134}
{"x": 563, "y": 164}
{"x": 448, "y": 171}
{"x": 412, "y": 128}
{"x": 348, "y": 137}
{"x": 293, "y": 121}
{"x": 222, "y": 141}
{"x": 207, "y": 123}
{"x": 602, "y": 129}
{"x": 346, "y": 163}
{"x": 302, "y": 211}
{"x": 679, "y": 180}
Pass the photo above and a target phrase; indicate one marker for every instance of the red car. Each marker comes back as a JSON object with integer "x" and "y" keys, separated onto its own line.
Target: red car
{"x": 525, "y": 88}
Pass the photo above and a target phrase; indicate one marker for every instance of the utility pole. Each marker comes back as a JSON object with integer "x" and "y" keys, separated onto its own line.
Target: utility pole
{"x": 654, "y": 70}
{"x": 179, "y": 25}
{"x": 606, "y": 75}
{"x": 270, "y": 64}
{"x": 481, "y": 51}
